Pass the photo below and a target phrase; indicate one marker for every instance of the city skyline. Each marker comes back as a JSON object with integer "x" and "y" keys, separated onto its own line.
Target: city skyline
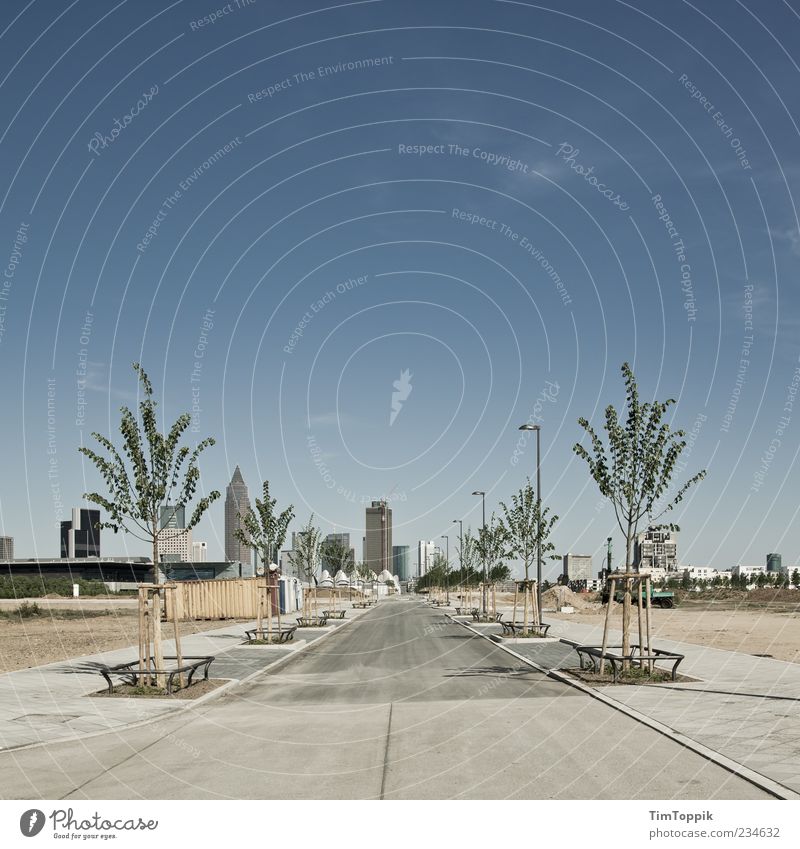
{"x": 371, "y": 311}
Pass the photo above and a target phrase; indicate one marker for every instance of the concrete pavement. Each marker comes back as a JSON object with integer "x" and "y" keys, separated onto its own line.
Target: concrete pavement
{"x": 402, "y": 703}
{"x": 742, "y": 706}
{"x": 51, "y": 702}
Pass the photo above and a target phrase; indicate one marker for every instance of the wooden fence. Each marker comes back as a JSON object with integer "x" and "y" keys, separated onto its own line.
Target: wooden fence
{"x": 233, "y": 598}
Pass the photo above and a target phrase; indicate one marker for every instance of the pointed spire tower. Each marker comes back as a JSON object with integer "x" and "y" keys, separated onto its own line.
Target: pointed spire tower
{"x": 237, "y": 501}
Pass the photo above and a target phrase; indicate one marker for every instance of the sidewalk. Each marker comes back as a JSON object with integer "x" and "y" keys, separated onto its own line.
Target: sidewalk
{"x": 741, "y": 706}
{"x": 51, "y": 703}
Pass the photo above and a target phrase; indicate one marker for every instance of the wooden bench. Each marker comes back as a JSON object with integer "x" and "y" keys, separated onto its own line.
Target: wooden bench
{"x": 592, "y": 654}
{"x": 284, "y": 634}
{"x": 311, "y": 621}
{"x": 513, "y": 628}
{"x": 361, "y": 604}
{"x": 190, "y": 664}
{"x": 333, "y": 614}
{"x": 477, "y": 616}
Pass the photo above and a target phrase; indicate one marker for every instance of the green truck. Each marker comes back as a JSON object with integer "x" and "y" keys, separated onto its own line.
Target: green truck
{"x": 658, "y": 598}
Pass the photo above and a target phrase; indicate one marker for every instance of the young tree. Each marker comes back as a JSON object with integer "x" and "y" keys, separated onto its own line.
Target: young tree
{"x": 527, "y": 525}
{"x": 796, "y": 578}
{"x": 492, "y": 549}
{"x": 264, "y": 528}
{"x": 500, "y": 572}
{"x": 153, "y": 472}
{"x": 338, "y": 556}
{"x": 634, "y": 471}
{"x": 468, "y": 557}
{"x": 363, "y": 570}
{"x": 305, "y": 558}
{"x": 438, "y": 572}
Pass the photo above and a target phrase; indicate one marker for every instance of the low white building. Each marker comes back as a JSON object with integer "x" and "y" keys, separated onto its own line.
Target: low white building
{"x": 199, "y": 551}
{"x": 700, "y": 573}
{"x": 706, "y": 573}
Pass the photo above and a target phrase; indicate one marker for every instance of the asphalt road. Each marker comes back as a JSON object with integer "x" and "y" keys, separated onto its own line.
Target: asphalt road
{"x": 399, "y": 704}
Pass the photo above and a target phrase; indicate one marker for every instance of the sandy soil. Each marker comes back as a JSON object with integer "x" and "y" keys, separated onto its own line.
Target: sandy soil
{"x": 752, "y": 631}
{"x": 765, "y": 622}
{"x": 47, "y": 639}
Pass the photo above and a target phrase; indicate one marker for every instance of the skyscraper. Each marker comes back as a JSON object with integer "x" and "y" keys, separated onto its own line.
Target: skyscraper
{"x": 6, "y": 548}
{"x": 401, "y": 556}
{"x": 172, "y": 516}
{"x": 174, "y": 541}
{"x": 237, "y": 503}
{"x": 81, "y": 536}
{"x": 378, "y": 538}
{"x": 426, "y": 553}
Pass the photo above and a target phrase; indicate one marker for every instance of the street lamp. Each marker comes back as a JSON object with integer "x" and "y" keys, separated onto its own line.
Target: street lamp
{"x": 483, "y": 502}
{"x": 460, "y": 524}
{"x": 447, "y": 568}
{"x": 538, "y": 430}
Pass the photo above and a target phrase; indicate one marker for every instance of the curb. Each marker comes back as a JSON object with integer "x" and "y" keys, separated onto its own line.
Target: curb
{"x": 768, "y": 785}
{"x": 232, "y": 684}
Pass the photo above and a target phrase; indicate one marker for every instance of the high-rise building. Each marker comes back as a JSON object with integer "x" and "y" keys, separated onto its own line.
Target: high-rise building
{"x": 172, "y": 516}
{"x": 237, "y": 504}
{"x": 401, "y": 562}
{"x": 81, "y": 536}
{"x": 342, "y": 540}
{"x": 774, "y": 563}
{"x": 378, "y": 538}
{"x": 174, "y": 545}
{"x": 6, "y": 548}
{"x": 577, "y": 567}
{"x": 426, "y": 554}
{"x": 199, "y": 552}
{"x": 174, "y": 541}
{"x": 656, "y": 548}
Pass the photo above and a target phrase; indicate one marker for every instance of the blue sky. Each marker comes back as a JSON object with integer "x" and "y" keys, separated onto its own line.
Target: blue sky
{"x": 507, "y": 200}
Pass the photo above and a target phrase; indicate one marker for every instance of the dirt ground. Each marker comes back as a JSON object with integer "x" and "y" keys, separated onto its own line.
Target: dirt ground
{"x": 771, "y": 630}
{"x": 49, "y": 638}
{"x": 759, "y": 622}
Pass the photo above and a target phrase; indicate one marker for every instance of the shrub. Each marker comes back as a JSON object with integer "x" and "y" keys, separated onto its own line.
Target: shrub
{"x": 36, "y": 586}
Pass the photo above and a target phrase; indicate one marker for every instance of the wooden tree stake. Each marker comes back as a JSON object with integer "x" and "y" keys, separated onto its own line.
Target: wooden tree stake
{"x": 176, "y": 619}
{"x": 612, "y": 590}
{"x": 639, "y": 588}
{"x": 649, "y": 587}
{"x": 142, "y": 629}
{"x": 158, "y": 650}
